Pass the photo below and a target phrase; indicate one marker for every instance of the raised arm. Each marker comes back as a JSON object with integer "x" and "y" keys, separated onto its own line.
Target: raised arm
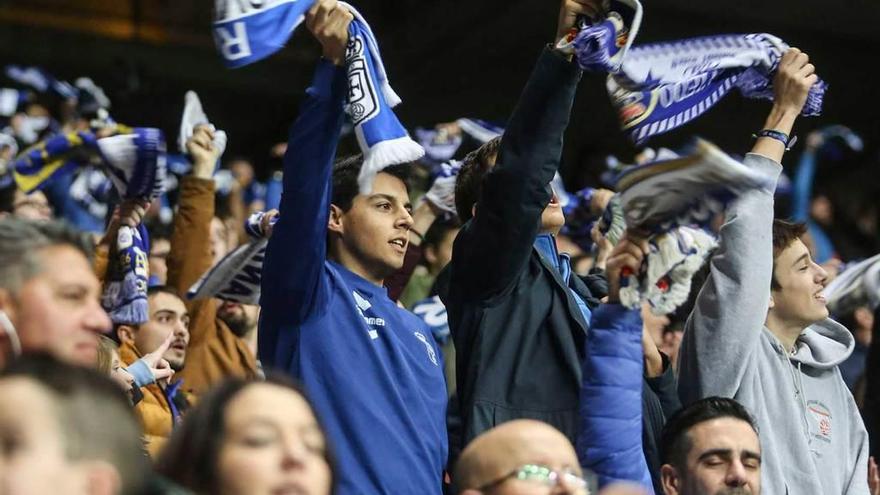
{"x": 293, "y": 286}
{"x": 610, "y": 437}
{"x": 495, "y": 245}
{"x": 731, "y": 308}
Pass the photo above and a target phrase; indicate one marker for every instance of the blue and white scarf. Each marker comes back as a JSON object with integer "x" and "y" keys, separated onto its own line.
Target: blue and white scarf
{"x": 857, "y": 285}
{"x": 481, "y": 130}
{"x": 663, "y": 86}
{"x": 134, "y": 160}
{"x": 245, "y": 34}
{"x": 125, "y": 293}
{"x": 689, "y": 190}
{"x": 601, "y": 45}
{"x": 433, "y": 312}
{"x": 40, "y": 80}
{"x": 236, "y": 277}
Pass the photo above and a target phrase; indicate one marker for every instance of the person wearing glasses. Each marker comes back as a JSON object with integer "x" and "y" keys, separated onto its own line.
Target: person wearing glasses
{"x": 526, "y": 457}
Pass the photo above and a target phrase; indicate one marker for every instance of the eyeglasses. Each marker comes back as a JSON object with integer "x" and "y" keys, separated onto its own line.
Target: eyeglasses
{"x": 544, "y": 476}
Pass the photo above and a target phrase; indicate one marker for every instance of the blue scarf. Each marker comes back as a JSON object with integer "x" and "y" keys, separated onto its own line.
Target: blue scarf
{"x": 125, "y": 293}
{"x": 661, "y": 86}
{"x": 245, "y": 34}
{"x": 665, "y": 85}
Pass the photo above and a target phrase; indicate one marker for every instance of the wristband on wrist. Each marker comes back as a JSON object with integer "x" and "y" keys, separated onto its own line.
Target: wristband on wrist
{"x": 780, "y": 136}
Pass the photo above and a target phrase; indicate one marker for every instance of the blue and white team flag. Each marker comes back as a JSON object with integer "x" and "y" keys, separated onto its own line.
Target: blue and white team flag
{"x": 245, "y": 33}
{"x": 663, "y": 86}
{"x": 481, "y": 130}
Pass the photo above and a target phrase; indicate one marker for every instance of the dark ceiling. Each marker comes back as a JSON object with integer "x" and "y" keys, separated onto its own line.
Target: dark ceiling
{"x": 447, "y": 59}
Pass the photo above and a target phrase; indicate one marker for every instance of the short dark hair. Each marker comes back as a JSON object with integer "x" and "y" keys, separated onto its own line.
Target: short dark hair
{"x": 784, "y": 233}
{"x": 674, "y": 441}
{"x": 94, "y": 415}
{"x": 345, "y": 179}
{"x": 164, "y": 289}
{"x": 190, "y": 457}
{"x": 469, "y": 184}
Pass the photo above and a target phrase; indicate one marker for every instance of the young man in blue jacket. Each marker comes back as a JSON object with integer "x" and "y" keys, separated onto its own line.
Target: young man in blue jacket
{"x": 370, "y": 367}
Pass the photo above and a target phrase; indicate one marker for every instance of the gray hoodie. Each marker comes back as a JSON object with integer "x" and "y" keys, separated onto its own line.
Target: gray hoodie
{"x": 812, "y": 437}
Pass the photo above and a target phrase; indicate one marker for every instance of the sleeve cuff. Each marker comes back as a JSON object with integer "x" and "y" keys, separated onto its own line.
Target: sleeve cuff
{"x": 141, "y": 373}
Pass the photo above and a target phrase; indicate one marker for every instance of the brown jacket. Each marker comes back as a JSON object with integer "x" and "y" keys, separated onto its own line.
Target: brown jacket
{"x": 214, "y": 352}
{"x": 153, "y": 411}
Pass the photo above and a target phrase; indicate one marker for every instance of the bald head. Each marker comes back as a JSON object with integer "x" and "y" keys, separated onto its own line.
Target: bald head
{"x": 506, "y": 447}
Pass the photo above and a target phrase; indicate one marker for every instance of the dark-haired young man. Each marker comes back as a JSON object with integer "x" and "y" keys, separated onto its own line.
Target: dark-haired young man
{"x": 371, "y": 368}
{"x": 711, "y": 448}
{"x": 517, "y": 312}
{"x": 163, "y": 403}
{"x": 760, "y": 331}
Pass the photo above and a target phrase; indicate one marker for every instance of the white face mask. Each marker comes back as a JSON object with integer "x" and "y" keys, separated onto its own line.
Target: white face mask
{"x": 7, "y": 328}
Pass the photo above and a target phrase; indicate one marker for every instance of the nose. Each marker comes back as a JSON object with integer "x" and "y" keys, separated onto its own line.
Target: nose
{"x": 96, "y": 319}
{"x": 129, "y": 378}
{"x": 736, "y": 474}
{"x": 293, "y": 452}
{"x": 181, "y": 331}
{"x": 821, "y": 274}
{"x": 406, "y": 220}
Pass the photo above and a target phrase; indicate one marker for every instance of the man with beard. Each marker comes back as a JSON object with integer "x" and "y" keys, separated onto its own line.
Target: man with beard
{"x": 219, "y": 333}
{"x": 711, "y": 448}
{"x": 164, "y": 402}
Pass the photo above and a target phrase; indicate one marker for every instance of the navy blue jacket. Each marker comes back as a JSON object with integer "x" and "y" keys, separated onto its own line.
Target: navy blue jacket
{"x": 371, "y": 368}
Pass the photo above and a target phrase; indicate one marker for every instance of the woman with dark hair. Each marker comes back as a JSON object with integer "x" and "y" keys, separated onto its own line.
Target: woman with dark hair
{"x": 251, "y": 437}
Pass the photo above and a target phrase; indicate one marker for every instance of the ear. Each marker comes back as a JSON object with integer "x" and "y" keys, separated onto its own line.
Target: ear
{"x": 125, "y": 334}
{"x": 335, "y": 223}
{"x": 670, "y": 480}
{"x": 772, "y": 302}
{"x": 102, "y": 478}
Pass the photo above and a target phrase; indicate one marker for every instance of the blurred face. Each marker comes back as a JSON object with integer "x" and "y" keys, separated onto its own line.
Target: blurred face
{"x": 799, "y": 299}
{"x": 32, "y": 460}
{"x": 272, "y": 445}
{"x": 243, "y": 171}
{"x": 374, "y": 231}
{"x": 168, "y": 315}
{"x": 724, "y": 459}
{"x": 119, "y": 374}
{"x": 159, "y": 250}
{"x": 33, "y": 206}
{"x": 219, "y": 240}
{"x": 240, "y": 318}
{"x": 58, "y": 310}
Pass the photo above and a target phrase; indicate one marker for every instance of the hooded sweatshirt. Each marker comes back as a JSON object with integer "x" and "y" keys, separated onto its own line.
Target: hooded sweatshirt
{"x": 813, "y": 440}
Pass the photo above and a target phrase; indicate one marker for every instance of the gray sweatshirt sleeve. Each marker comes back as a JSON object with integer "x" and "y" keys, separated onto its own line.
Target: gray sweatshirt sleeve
{"x": 725, "y": 325}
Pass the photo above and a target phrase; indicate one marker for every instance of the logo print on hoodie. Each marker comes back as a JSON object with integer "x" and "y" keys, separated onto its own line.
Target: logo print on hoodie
{"x": 431, "y": 354}
{"x": 371, "y": 321}
{"x": 820, "y": 425}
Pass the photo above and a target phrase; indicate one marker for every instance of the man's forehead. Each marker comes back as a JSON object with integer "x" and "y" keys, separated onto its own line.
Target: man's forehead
{"x": 66, "y": 264}
{"x": 793, "y": 252}
{"x": 725, "y": 432}
{"x": 163, "y": 301}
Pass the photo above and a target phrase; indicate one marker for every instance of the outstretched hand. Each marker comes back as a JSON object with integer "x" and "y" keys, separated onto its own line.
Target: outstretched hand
{"x": 159, "y": 367}
{"x": 571, "y": 9}
{"x": 202, "y": 150}
{"x": 328, "y": 22}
